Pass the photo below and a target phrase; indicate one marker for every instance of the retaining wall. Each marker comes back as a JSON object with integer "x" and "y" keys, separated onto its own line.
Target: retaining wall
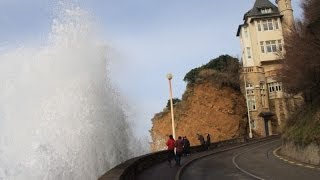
{"x": 309, "y": 154}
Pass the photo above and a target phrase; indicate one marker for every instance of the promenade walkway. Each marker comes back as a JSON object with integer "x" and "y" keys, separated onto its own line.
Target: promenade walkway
{"x": 163, "y": 171}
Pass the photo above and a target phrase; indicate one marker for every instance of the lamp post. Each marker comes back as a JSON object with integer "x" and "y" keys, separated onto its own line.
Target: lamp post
{"x": 249, "y": 119}
{"x": 169, "y": 76}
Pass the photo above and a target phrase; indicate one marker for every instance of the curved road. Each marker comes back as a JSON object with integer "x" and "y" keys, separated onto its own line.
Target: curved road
{"x": 255, "y": 161}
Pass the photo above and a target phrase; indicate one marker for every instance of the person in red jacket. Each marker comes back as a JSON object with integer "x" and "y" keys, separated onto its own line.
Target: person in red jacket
{"x": 171, "y": 144}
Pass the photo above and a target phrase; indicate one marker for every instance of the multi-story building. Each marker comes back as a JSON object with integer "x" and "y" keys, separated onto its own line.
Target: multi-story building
{"x": 262, "y": 44}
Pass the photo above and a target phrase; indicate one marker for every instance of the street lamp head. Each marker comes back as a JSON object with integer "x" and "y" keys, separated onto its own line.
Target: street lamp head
{"x": 169, "y": 76}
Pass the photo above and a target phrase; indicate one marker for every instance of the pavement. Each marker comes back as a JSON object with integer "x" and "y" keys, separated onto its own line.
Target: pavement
{"x": 164, "y": 171}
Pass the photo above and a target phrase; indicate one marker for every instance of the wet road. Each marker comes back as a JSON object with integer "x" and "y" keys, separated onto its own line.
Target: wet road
{"x": 255, "y": 161}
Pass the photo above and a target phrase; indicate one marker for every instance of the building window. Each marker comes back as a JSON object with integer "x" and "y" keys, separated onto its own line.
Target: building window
{"x": 252, "y": 103}
{"x": 249, "y": 85}
{"x": 280, "y": 45}
{"x": 250, "y": 97}
{"x": 271, "y": 46}
{"x": 262, "y": 46}
{"x": 245, "y": 31}
{"x": 266, "y": 10}
{"x": 263, "y": 94}
{"x": 249, "y": 52}
{"x": 265, "y": 25}
{"x": 259, "y": 25}
{"x": 275, "y": 86}
{"x": 268, "y": 46}
{"x": 276, "y": 24}
{"x": 253, "y": 124}
{"x": 268, "y": 25}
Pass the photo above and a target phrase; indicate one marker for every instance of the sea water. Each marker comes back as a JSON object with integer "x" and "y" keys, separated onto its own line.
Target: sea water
{"x": 60, "y": 117}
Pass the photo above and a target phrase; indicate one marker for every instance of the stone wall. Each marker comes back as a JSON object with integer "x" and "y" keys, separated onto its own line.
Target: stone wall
{"x": 308, "y": 154}
{"x": 132, "y": 167}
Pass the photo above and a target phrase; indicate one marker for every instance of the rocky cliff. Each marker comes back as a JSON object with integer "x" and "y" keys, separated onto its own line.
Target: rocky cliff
{"x": 206, "y": 107}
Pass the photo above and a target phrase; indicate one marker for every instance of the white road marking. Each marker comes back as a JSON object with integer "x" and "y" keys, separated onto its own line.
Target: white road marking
{"x": 295, "y": 163}
{"x": 244, "y": 171}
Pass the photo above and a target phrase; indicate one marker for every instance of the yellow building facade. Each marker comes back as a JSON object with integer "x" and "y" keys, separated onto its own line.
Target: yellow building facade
{"x": 262, "y": 38}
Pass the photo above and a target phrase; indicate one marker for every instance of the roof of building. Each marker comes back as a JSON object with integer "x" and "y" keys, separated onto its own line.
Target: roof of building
{"x": 255, "y": 12}
{"x": 261, "y": 4}
{"x": 266, "y": 114}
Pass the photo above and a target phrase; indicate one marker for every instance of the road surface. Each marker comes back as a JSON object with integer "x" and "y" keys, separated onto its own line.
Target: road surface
{"x": 255, "y": 161}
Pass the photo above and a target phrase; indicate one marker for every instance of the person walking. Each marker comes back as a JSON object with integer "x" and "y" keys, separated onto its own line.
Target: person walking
{"x": 202, "y": 142}
{"x": 171, "y": 144}
{"x": 179, "y": 150}
{"x": 208, "y": 142}
{"x": 186, "y": 146}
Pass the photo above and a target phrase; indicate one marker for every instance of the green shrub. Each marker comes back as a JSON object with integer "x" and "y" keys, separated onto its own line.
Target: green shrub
{"x": 174, "y": 102}
{"x": 225, "y": 68}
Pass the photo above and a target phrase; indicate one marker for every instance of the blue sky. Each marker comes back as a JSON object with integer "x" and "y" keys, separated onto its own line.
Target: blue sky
{"x": 150, "y": 38}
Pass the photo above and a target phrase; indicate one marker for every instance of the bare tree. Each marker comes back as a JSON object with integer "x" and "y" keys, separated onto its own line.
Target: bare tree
{"x": 301, "y": 67}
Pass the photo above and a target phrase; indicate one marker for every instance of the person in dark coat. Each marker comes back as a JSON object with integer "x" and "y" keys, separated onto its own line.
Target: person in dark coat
{"x": 202, "y": 142}
{"x": 208, "y": 142}
{"x": 186, "y": 146}
{"x": 179, "y": 150}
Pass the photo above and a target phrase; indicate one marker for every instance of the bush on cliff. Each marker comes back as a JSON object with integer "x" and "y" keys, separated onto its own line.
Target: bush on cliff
{"x": 174, "y": 102}
{"x": 223, "y": 70}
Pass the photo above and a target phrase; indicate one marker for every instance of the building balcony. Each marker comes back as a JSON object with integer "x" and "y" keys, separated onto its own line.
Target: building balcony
{"x": 252, "y": 69}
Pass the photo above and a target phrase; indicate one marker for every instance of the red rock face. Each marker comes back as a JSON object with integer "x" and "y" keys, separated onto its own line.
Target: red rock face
{"x": 205, "y": 108}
